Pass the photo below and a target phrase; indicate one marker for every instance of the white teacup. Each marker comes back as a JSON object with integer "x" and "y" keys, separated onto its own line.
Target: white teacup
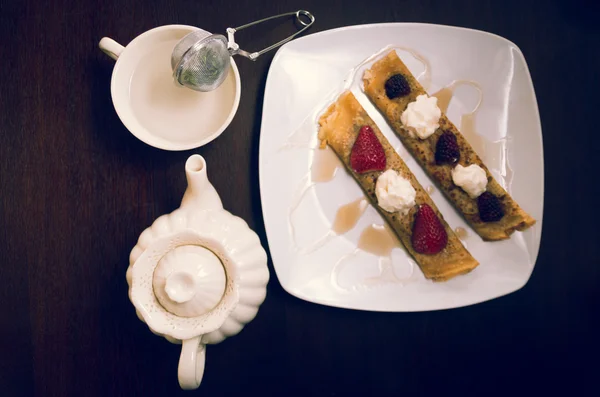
{"x": 153, "y": 107}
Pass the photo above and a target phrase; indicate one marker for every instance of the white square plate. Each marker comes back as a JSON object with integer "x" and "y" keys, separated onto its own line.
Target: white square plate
{"x": 309, "y": 72}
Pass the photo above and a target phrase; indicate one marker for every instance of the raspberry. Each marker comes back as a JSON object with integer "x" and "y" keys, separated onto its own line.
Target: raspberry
{"x": 446, "y": 149}
{"x": 397, "y": 86}
{"x": 490, "y": 208}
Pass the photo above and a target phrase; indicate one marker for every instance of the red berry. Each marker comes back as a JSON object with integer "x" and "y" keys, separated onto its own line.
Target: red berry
{"x": 490, "y": 208}
{"x": 446, "y": 149}
{"x": 429, "y": 235}
{"x": 367, "y": 153}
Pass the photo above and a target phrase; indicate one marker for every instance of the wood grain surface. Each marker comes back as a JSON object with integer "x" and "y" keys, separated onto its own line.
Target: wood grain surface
{"x": 77, "y": 189}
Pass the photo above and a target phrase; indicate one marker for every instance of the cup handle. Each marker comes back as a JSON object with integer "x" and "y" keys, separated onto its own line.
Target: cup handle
{"x": 191, "y": 363}
{"x": 111, "y": 47}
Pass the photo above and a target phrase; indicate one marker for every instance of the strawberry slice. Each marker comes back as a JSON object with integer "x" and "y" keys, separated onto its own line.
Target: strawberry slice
{"x": 367, "y": 153}
{"x": 429, "y": 235}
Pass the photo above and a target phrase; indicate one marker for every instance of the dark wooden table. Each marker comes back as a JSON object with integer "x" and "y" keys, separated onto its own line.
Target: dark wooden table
{"x": 77, "y": 189}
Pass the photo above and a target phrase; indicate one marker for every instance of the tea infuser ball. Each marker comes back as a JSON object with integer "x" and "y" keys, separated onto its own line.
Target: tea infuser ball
{"x": 200, "y": 61}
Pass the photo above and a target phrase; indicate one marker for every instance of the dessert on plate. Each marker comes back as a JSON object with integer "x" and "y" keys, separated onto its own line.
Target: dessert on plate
{"x": 393, "y": 189}
{"x": 442, "y": 150}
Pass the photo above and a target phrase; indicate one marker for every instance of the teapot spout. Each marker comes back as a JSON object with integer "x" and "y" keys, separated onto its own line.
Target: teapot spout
{"x": 200, "y": 193}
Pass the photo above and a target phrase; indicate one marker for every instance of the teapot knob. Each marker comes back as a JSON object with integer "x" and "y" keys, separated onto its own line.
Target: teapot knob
{"x": 189, "y": 281}
{"x": 181, "y": 286}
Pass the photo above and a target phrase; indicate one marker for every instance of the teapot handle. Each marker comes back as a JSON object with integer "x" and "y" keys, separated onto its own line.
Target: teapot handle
{"x": 191, "y": 363}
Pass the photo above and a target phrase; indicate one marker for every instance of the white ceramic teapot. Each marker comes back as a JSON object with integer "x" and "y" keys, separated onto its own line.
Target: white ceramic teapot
{"x": 198, "y": 274}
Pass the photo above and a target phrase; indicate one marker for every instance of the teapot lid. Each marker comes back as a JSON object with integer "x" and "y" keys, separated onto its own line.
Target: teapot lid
{"x": 185, "y": 257}
{"x": 188, "y": 267}
{"x": 189, "y": 281}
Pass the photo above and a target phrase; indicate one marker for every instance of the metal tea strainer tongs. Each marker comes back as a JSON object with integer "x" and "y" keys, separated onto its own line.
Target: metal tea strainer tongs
{"x": 200, "y": 60}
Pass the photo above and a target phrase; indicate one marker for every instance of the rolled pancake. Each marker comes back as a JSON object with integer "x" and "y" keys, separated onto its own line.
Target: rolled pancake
{"x": 338, "y": 128}
{"x": 424, "y": 152}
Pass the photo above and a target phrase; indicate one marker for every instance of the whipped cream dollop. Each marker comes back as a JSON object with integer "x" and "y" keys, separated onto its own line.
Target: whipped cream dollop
{"x": 394, "y": 192}
{"x": 422, "y": 116}
{"x": 471, "y": 179}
